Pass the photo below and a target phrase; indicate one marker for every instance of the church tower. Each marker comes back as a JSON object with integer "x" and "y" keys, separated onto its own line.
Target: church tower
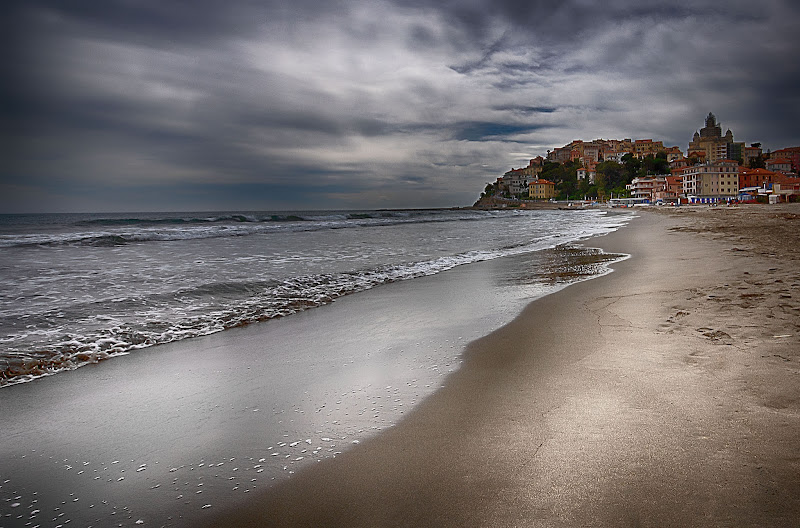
{"x": 709, "y": 140}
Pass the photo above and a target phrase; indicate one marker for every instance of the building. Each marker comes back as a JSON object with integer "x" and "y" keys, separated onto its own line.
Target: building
{"x": 673, "y": 153}
{"x": 755, "y": 177}
{"x": 710, "y": 140}
{"x": 647, "y": 147}
{"x": 516, "y": 181}
{"x": 647, "y": 187}
{"x": 563, "y": 154}
{"x": 751, "y": 153}
{"x": 765, "y": 178}
{"x": 679, "y": 163}
{"x": 587, "y": 173}
{"x": 535, "y": 167}
{"x": 671, "y": 191}
{"x": 541, "y": 190}
{"x": 792, "y": 154}
{"x": 779, "y": 165}
{"x": 736, "y": 151}
{"x": 711, "y": 182}
{"x": 786, "y": 191}
{"x": 642, "y": 187}
{"x": 614, "y": 149}
{"x": 615, "y": 156}
{"x": 593, "y": 152}
{"x": 698, "y": 156}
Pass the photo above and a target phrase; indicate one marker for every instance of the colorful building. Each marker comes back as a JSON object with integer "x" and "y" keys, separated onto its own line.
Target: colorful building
{"x": 647, "y": 147}
{"x": 541, "y": 190}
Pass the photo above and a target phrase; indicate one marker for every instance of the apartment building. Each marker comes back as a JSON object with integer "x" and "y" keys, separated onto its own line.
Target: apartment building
{"x": 792, "y": 154}
{"x": 648, "y": 187}
{"x": 779, "y": 165}
{"x": 671, "y": 191}
{"x": 516, "y": 181}
{"x": 647, "y": 147}
{"x": 712, "y": 181}
{"x": 541, "y": 190}
{"x": 587, "y": 173}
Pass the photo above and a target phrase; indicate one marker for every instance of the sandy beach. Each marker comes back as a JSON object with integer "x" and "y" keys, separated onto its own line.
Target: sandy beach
{"x": 664, "y": 394}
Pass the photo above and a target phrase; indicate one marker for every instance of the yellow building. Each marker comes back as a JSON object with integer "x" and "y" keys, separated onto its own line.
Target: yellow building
{"x": 541, "y": 190}
{"x": 711, "y": 181}
{"x": 647, "y": 147}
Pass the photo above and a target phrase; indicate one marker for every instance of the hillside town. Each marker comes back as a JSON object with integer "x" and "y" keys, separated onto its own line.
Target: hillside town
{"x": 714, "y": 169}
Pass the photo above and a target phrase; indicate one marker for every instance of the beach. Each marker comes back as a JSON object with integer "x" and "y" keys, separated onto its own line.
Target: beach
{"x": 356, "y": 319}
{"x": 664, "y": 394}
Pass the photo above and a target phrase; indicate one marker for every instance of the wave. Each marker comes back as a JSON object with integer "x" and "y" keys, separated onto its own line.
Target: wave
{"x": 67, "y": 335}
{"x": 147, "y": 221}
{"x": 111, "y": 231}
{"x": 211, "y": 308}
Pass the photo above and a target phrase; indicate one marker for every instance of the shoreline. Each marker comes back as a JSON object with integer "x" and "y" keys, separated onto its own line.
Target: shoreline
{"x": 664, "y": 393}
{"x": 164, "y": 434}
{"x": 236, "y": 294}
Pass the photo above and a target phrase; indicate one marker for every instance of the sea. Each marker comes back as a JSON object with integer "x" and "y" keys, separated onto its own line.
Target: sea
{"x": 156, "y": 366}
{"x": 82, "y": 288}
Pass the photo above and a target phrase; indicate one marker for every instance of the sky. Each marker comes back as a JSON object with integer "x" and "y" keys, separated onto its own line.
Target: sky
{"x": 195, "y": 105}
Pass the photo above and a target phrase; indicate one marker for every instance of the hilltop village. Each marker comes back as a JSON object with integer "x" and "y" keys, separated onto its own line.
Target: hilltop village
{"x": 715, "y": 169}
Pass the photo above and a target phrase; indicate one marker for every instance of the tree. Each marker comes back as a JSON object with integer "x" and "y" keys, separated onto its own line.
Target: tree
{"x": 655, "y": 165}
{"x": 610, "y": 174}
{"x": 631, "y": 165}
{"x": 757, "y": 163}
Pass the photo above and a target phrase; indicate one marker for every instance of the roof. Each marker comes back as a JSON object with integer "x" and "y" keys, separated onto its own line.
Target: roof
{"x": 540, "y": 182}
{"x": 745, "y": 170}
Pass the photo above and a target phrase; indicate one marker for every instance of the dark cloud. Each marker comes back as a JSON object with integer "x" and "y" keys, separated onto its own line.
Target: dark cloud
{"x": 478, "y": 131}
{"x": 526, "y": 109}
{"x": 354, "y": 103}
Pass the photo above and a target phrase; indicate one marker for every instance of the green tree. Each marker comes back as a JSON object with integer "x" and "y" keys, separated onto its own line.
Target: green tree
{"x": 610, "y": 175}
{"x": 758, "y": 163}
{"x": 655, "y": 165}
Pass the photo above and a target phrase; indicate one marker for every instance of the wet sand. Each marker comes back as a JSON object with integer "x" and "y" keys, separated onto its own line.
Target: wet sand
{"x": 664, "y": 394}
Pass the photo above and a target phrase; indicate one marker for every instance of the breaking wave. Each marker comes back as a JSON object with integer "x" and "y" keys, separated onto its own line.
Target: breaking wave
{"x": 113, "y": 231}
{"x": 209, "y": 308}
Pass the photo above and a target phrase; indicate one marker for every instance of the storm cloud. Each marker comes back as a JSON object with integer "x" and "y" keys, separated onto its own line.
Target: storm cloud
{"x": 167, "y": 105}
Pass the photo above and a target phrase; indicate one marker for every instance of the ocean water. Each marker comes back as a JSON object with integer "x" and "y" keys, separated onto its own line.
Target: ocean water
{"x": 166, "y": 435}
{"x": 81, "y": 288}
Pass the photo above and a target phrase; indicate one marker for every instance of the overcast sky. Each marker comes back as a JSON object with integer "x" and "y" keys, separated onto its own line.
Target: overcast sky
{"x": 144, "y": 105}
